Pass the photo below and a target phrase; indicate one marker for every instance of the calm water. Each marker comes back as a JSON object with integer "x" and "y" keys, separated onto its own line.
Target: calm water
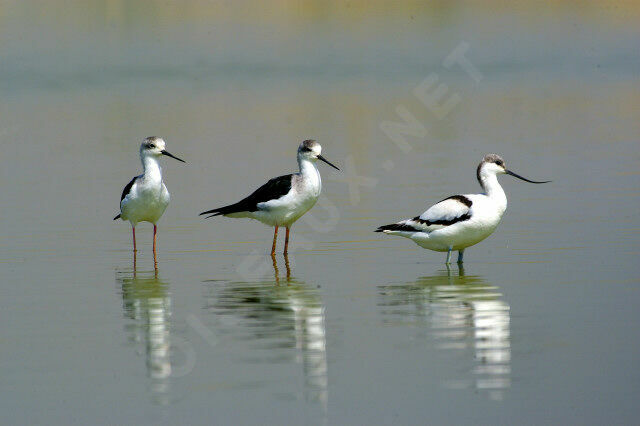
{"x": 540, "y": 326}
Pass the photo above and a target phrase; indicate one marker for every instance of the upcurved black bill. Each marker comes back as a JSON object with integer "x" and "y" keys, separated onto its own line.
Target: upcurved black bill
{"x": 509, "y": 172}
{"x": 168, "y": 154}
{"x": 320, "y": 157}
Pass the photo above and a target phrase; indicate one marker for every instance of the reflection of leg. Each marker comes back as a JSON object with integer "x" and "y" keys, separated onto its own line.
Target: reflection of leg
{"x": 286, "y": 263}
{"x": 275, "y": 267}
{"x": 286, "y": 242}
{"x": 460, "y": 255}
{"x": 275, "y": 238}
{"x": 448, "y": 256}
{"x": 461, "y": 269}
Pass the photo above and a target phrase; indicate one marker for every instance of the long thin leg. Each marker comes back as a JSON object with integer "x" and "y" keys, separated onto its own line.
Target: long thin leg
{"x": 155, "y": 257}
{"x": 448, "y": 257}
{"x": 155, "y": 233}
{"x": 286, "y": 242}
{"x": 460, "y": 255}
{"x": 275, "y": 238}
{"x": 135, "y": 253}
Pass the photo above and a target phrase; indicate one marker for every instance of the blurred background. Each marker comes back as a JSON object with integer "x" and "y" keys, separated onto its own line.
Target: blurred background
{"x": 367, "y": 329}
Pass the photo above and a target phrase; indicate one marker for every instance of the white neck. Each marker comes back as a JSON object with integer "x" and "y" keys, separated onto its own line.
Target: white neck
{"x": 308, "y": 170}
{"x": 152, "y": 170}
{"x": 492, "y": 188}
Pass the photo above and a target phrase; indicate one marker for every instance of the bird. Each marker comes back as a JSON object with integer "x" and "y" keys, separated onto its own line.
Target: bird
{"x": 145, "y": 197}
{"x": 460, "y": 221}
{"x": 284, "y": 199}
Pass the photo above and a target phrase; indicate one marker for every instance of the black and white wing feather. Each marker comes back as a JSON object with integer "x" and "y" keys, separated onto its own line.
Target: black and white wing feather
{"x": 442, "y": 214}
{"x": 126, "y": 191}
{"x": 272, "y": 190}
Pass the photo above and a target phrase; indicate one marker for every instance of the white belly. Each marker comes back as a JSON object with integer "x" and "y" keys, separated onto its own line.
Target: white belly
{"x": 145, "y": 203}
{"x": 484, "y": 220}
{"x": 458, "y": 236}
{"x": 288, "y": 209}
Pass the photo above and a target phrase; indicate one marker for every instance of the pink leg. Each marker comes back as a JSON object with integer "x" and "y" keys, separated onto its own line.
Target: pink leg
{"x": 275, "y": 239}
{"x": 155, "y": 258}
{"x": 133, "y": 231}
{"x": 155, "y": 232}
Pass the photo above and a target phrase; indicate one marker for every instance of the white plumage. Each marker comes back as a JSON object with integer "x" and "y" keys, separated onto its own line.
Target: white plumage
{"x": 145, "y": 197}
{"x": 460, "y": 221}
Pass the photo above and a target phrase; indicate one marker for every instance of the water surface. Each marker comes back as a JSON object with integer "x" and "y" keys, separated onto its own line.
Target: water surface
{"x": 353, "y": 327}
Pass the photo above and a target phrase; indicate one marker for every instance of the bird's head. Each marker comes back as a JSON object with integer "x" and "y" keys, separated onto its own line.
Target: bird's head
{"x": 493, "y": 164}
{"x": 154, "y": 146}
{"x": 311, "y": 150}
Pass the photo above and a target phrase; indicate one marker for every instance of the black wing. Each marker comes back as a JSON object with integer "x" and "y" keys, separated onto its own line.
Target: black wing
{"x": 272, "y": 190}
{"x": 125, "y": 191}
{"x": 449, "y": 211}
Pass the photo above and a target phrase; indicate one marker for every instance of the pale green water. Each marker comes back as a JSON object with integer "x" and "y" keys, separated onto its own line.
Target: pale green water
{"x": 539, "y": 327}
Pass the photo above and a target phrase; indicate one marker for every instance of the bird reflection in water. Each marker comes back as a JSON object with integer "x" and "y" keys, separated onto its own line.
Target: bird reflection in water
{"x": 135, "y": 262}
{"x": 276, "y": 271}
{"x": 283, "y": 320}
{"x": 147, "y": 306}
{"x": 462, "y": 313}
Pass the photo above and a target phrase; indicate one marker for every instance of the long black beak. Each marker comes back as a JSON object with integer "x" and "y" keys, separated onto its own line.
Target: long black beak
{"x": 168, "y": 154}
{"x": 320, "y": 157}
{"x": 509, "y": 172}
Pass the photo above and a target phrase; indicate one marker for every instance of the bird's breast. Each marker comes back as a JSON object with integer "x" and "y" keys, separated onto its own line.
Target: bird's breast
{"x": 156, "y": 197}
{"x": 308, "y": 194}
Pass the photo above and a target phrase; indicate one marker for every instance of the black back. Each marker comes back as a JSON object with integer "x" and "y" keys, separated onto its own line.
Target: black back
{"x": 272, "y": 190}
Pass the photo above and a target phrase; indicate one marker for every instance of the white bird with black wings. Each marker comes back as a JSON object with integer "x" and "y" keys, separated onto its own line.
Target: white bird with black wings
{"x": 145, "y": 197}
{"x": 460, "y": 221}
{"x": 284, "y": 199}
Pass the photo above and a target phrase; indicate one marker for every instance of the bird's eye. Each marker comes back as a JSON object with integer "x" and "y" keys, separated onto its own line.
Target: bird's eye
{"x": 499, "y": 162}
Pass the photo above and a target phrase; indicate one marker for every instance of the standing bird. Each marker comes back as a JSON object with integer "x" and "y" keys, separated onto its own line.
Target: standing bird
{"x": 284, "y": 199}
{"x": 460, "y": 221}
{"x": 145, "y": 198}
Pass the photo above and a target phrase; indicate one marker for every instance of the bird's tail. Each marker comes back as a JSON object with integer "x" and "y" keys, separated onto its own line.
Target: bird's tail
{"x": 117, "y": 217}
{"x": 221, "y": 211}
{"x": 396, "y": 227}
